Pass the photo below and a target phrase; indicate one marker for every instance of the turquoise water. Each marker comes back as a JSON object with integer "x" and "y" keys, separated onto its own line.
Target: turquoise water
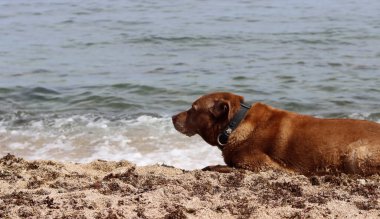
{"x": 81, "y": 81}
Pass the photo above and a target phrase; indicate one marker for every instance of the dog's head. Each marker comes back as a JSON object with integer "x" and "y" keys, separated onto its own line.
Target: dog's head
{"x": 208, "y": 116}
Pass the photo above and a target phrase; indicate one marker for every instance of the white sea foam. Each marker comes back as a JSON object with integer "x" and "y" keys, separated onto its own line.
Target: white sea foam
{"x": 18, "y": 145}
{"x": 359, "y": 115}
{"x": 144, "y": 140}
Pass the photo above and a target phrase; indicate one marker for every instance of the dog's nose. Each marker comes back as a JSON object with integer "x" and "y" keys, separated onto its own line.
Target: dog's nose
{"x": 174, "y": 119}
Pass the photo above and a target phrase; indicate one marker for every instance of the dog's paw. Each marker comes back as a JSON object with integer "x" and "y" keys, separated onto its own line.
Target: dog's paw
{"x": 219, "y": 168}
{"x": 208, "y": 168}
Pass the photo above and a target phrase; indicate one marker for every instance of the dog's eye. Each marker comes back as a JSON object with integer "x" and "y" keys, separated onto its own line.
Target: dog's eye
{"x": 194, "y": 107}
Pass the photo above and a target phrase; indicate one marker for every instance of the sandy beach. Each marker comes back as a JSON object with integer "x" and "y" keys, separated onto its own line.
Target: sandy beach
{"x": 104, "y": 189}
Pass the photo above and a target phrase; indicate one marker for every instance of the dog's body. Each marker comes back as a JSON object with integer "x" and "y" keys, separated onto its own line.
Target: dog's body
{"x": 269, "y": 137}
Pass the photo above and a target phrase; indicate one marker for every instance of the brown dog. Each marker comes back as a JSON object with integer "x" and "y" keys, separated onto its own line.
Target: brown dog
{"x": 269, "y": 137}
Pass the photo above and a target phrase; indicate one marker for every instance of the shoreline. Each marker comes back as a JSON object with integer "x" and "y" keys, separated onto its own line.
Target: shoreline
{"x": 110, "y": 189}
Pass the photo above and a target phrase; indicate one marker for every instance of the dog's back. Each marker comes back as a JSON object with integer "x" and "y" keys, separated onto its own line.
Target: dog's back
{"x": 320, "y": 145}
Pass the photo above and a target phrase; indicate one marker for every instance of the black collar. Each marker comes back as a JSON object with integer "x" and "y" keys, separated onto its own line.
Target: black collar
{"x": 238, "y": 117}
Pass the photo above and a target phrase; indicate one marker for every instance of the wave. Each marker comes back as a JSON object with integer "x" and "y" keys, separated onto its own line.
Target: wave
{"x": 198, "y": 40}
{"x": 102, "y": 98}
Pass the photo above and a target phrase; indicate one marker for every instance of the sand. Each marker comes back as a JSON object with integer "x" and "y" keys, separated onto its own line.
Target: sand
{"x": 105, "y": 189}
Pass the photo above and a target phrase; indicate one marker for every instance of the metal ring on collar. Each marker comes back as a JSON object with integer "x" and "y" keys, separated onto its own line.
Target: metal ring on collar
{"x": 218, "y": 140}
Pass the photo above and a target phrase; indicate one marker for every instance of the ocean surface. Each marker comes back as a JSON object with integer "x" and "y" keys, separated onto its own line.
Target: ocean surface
{"x": 90, "y": 80}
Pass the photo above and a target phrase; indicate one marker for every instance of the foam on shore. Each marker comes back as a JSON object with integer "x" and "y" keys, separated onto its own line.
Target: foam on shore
{"x": 143, "y": 140}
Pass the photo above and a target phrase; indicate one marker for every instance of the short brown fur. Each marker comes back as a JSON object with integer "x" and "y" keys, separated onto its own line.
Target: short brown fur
{"x": 270, "y": 137}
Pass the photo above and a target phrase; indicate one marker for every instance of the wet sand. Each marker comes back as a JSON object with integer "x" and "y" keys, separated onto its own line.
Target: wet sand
{"x": 104, "y": 189}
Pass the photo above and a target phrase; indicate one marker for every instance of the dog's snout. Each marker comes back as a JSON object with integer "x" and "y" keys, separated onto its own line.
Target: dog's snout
{"x": 175, "y": 119}
{"x": 179, "y": 122}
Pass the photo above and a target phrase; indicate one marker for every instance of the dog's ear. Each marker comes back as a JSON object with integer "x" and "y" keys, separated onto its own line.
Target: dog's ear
{"x": 220, "y": 109}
